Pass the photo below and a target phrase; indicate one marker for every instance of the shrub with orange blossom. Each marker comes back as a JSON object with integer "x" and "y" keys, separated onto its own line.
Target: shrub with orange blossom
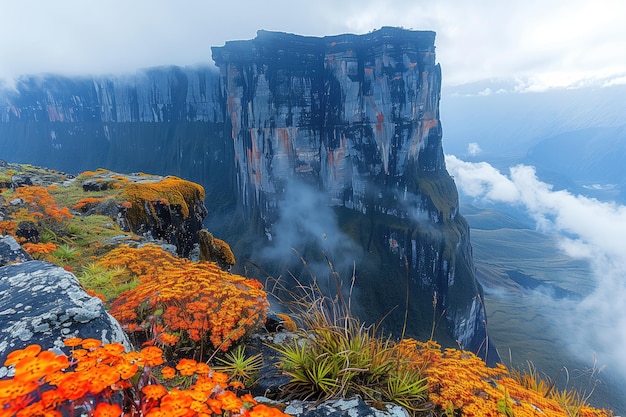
{"x": 462, "y": 384}
{"x": 199, "y": 301}
{"x": 35, "y": 249}
{"x": 103, "y": 380}
{"x": 41, "y": 202}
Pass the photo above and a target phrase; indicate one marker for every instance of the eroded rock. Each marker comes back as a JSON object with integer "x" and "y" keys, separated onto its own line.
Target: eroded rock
{"x": 11, "y": 251}
{"x": 41, "y": 303}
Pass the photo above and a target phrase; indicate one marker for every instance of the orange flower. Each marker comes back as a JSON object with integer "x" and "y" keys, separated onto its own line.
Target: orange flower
{"x": 107, "y": 410}
{"x": 17, "y": 355}
{"x": 248, "y": 398}
{"x": 73, "y": 341}
{"x": 186, "y": 367}
{"x": 51, "y": 398}
{"x": 168, "y": 372}
{"x": 153, "y": 392}
{"x": 114, "y": 348}
{"x": 34, "y": 368}
{"x": 262, "y": 410}
{"x": 103, "y": 378}
{"x": 9, "y": 389}
{"x": 176, "y": 402}
{"x": 132, "y": 327}
{"x": 168, "y": 338}
{"x": 152, "y": 356}
{"x": 220, "y": 378}
{"x": 202, "y": 369}
{"x": 127, "y": 370}
{"x": 91, "y": 343}
{"x": 237, "y": 385}
{"x": 59, "y": 363}
{"x": 230, "y": 401}
{"x": 35, "y": 409}
{"x": 73, "y": 385}
{"x": 215, "y": 405}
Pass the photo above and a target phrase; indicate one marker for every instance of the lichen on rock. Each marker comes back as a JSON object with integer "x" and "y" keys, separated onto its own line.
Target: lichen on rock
{"x": 44, "y": 304}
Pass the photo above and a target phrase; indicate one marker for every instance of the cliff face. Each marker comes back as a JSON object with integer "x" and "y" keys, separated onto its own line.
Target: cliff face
{"x": 348, "y": 112}
{"x": 338, "y": 138}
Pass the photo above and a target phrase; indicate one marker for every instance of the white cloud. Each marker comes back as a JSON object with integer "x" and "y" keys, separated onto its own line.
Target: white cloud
{"x": 543, "y": 43}
{"x": 473, "y": 149}
{"x": 481, "y": 180}
{"x": 589, "y": 229}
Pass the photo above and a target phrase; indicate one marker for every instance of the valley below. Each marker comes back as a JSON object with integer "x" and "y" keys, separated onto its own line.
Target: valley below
{"x": 532, "y": 290}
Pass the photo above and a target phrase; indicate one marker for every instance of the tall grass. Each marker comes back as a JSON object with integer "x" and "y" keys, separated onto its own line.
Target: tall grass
{"x": 338, "y": 356}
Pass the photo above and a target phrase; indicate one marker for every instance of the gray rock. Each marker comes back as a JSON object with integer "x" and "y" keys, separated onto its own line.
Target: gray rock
{"x": 354, "y": 407}
{"x": 11, "y": 251}
{"x": 20, "y": 181}
{"x": 41, "y": 303}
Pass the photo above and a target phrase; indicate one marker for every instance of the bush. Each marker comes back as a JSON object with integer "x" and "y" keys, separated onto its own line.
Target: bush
{"x": 198, "y": 302}
{"x": 100, "y": 381}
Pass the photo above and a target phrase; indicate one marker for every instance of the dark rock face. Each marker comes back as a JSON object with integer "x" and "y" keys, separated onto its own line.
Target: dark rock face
{"x": 347, "y": 112}
{"x": 44, "y": 304}
{"x": 11, "y": 251}
{"x": 334, "y": 140}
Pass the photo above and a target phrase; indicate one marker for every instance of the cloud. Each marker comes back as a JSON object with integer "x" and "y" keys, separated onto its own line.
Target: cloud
{"x": 589, "y": 229}
{"x": 481, "y": 180}
{"x": 542, "y": 43}
{"x": 473, "y": 149}
{"x": 307, "y": 222}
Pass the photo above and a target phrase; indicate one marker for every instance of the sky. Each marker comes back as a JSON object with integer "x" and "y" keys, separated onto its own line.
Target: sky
{"x": 538, "y": 43}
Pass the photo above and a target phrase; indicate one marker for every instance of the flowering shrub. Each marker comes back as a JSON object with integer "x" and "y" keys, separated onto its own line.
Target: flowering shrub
{"x": 460, "y": 382}
{"x": 8, "y": 227}
{"x": 36, "y": 249}
{"x": 104, "y": 381}
{"x": 199, "y": 301}
{"x": 41, "y": 203}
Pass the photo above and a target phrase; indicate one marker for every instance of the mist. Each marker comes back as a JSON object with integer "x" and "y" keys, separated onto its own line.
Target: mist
{"x": 586, "y": 229}
{"x": 306, "y": 236}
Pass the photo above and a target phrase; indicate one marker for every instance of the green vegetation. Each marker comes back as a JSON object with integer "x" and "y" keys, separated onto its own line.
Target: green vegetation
{"x": 337, "y": 356}
{"x": 239, "y": 366}
{"x": 108, "y": 282}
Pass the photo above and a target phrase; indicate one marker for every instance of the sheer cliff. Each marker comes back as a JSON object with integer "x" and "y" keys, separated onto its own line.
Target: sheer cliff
{"x": 327, "y": 145}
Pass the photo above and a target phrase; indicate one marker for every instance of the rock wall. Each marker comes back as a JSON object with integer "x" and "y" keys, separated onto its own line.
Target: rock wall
{"x": 348, "y": 112}
{"x": 342, "y": 132}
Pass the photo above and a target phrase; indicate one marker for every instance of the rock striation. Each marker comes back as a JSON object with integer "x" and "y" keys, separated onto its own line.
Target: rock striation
{"x": 335, "y": 141}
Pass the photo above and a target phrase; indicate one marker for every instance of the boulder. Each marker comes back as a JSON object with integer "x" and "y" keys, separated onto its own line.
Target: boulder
{"x": 11, "y": 251}
{"x": 41, "y": 303}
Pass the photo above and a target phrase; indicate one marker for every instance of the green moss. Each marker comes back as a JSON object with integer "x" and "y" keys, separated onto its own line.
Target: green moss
{"x": 68, "y": 196}
{"x": 214, "y": 250}
{"x": 172, "y": 191}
